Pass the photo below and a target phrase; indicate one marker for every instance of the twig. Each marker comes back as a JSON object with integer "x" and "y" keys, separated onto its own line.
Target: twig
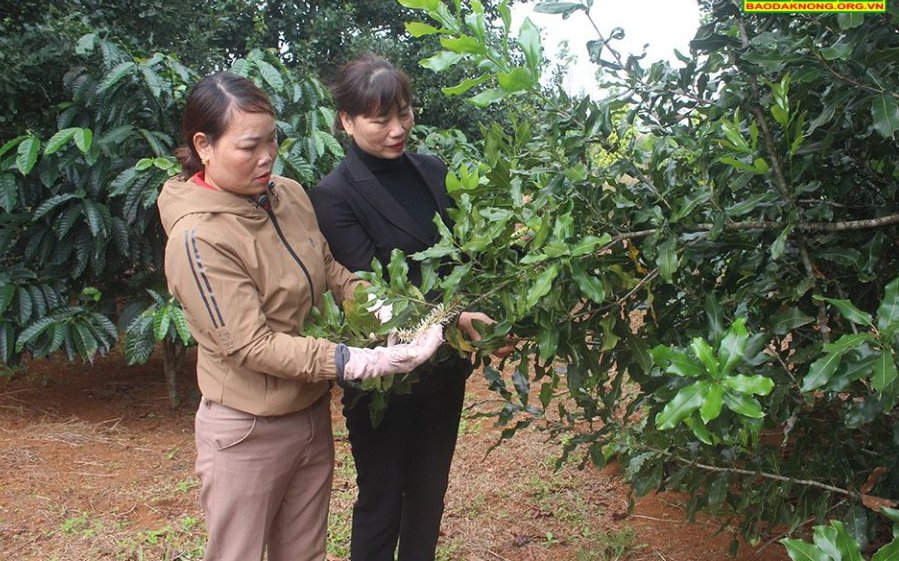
{"x": 6, "y": 394}
{"x": 652, "y": 518}
{"x": 849, "y": 80}
{"x": 497, "y": 555}
{"x": 620, "y": 302}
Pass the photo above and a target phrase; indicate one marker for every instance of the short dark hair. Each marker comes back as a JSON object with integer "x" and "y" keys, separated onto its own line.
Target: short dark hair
{"x": 210, "y": 105}
{"x": 370, "y": 85}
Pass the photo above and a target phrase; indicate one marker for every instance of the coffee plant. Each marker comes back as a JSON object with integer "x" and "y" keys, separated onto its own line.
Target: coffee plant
{"x": 79, "y": 231}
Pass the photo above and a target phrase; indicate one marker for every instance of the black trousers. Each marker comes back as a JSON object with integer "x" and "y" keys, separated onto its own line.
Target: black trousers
{"x": 403, "y": 464}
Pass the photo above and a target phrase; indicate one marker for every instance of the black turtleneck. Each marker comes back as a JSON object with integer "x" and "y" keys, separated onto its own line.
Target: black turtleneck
{"x": 399, "y": 177}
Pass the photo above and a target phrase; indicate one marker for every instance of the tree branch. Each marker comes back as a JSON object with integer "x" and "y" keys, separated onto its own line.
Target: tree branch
{"x": 765, "y": 475}
{"x": 847, "y": 225}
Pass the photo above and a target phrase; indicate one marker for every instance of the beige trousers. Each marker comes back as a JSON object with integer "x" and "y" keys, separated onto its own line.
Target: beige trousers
{"x": 265, "y": 482}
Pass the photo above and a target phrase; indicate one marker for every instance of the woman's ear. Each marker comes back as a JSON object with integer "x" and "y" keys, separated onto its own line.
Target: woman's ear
{"x": 346, "y": 121}
{"x": 201, "y": 143}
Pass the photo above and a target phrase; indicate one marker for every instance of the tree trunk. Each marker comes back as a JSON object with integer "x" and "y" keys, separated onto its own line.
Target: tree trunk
{"x": 172, "y": 359}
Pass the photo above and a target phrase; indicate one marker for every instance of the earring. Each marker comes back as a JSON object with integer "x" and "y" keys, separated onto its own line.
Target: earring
{"x": 204, "y": 161}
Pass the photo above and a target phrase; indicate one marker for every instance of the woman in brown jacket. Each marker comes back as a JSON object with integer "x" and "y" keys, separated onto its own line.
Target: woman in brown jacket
{"x": 247, "y": 262}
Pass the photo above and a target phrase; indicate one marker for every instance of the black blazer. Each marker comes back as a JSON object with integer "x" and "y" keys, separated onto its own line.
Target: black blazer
{"x": 361, "y": 220}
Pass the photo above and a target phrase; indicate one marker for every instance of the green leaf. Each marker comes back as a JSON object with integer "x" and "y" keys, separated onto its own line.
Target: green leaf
{"x": 747, "y": 205}
{"x": 25, "y": 305}
{"x": 609, "y": 337}
{"x": 50, "y": 204}
{"x": 542, "y": 285}
{"x": 83, "y": 140}
{"x": 888, "y": 311}
{"x": 152, "y": 80}
{"x": 548, "y": 341}
{"x": 9, "y": 192}
{"x": 180, "y": 323}
{"x": 592, "y": 287}
{"x": 684, "y": 403}
{"x": 821, "y": 371}
{"x": 667, "y": 260}
{"x": 751, "y": 385}
{"x": 848, "y": 342}
{"x": 786, "y": 321}
{"x": 417, "y": 4}
{"x": 848, "y": 310}
{"x": 884, "y": 370}
{"x": 713, "y": 401}
{"x": 488, "y": 96}
{"x": 34, "y": 330}
{"x": 839, "y": 51}
{"x": 889, "y": 552}
{"x": 60, "y": 139}
{"x": 850, "y": 20}
{"x": 464, "y": 44}
{"x": 706, "y": 355}
{"x": 441, "y": 61}
{"x": 676, "y": 362}
{"x": 516, "y": 80}
{"x": 777, "y": 248}
{"x": 85, "y": 341}
{"x": 94, "y": 218}
{"x": 733, "y": 347}
{"x": 743, "y": 405}
{"x": 588, "y": 244}
{"x": 7, "y": 293}
{"x": 641, "y": 353}
{"x": 465, "y": 85}
{"x": 699, "y": 430}
{"x": 890, "y": 513}
{"x": 27, "y": 153}
{"x": 799, "y": 550}
{"x": 114, "y": 75}
{"x": 139, "y": 343}
{"x": 846, "y": 545}
{"x": 529, "y": 40}
{"x": 10, "y": 144}
{"x": 85, "y": 44}
{"x": 161, "y": 322}
{"x": 759, "y": 166}
{"x": 564, "y": 8}
{"x": 420, "y": 29}
{"x": 271, "y": 75}
{"x": 885, "y": 113}
{"x": 846, "y": 257}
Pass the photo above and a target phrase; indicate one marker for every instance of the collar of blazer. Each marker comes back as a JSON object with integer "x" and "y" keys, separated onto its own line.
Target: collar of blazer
{"x": 370, "y": 189}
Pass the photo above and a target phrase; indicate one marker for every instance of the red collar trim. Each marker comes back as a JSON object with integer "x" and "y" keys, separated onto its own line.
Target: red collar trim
{"x": 200, "y": 179}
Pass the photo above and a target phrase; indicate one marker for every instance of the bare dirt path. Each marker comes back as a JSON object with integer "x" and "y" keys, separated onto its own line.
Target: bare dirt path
{"x": 97, "y": 465}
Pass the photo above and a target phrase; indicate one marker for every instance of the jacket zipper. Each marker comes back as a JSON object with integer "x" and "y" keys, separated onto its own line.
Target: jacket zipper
{"x": 267, "y": 207}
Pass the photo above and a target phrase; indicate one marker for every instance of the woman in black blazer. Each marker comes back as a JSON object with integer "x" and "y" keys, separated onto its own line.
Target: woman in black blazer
{"x": 380, "y": 198}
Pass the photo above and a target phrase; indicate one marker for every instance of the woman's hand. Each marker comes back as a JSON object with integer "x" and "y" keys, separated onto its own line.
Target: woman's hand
{"x": 361, "y": 363}
{"x": 466, "y": 324}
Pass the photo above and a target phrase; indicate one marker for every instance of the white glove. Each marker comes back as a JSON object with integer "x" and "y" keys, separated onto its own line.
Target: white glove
{"x": 363, "y": 363}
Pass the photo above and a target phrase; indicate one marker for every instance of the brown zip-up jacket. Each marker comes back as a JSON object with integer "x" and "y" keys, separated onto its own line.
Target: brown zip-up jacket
{"x": 247, "y": 274}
